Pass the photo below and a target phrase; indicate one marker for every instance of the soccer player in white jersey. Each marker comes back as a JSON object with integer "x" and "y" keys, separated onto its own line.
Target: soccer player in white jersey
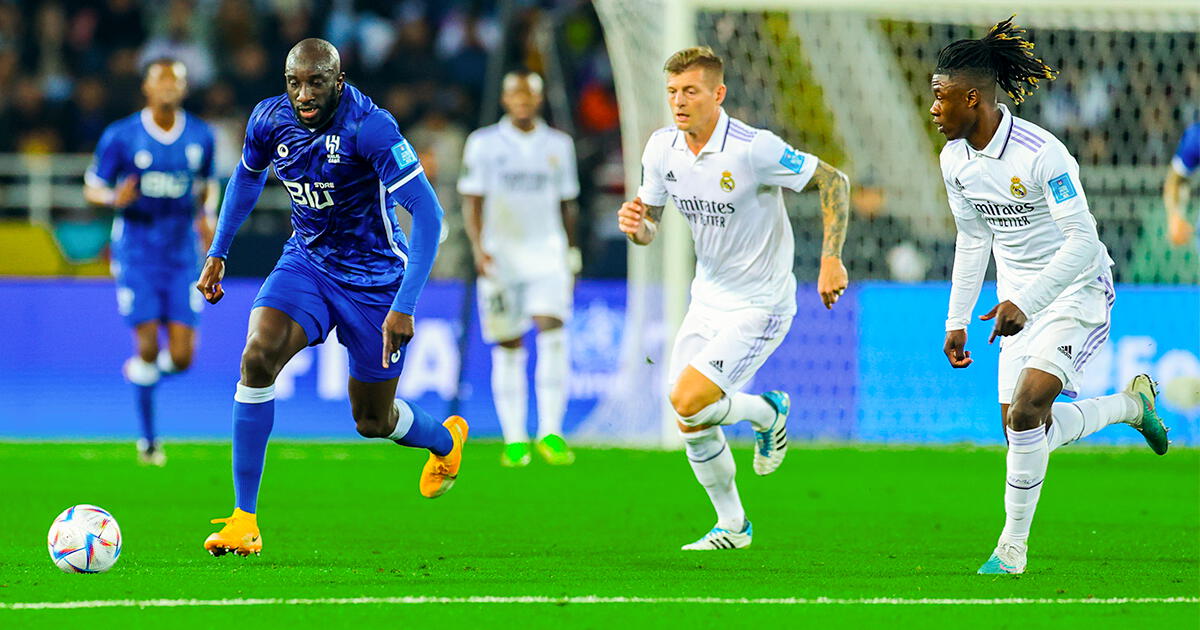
{"x": 519, "y": 186}
{"x": 1015, "y": 188}
{"x": 725, "y": 177}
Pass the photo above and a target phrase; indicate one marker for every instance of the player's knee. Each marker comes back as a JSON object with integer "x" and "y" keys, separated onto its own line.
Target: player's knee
{"x": 687, "y": 406}
{"x": 1025, "y": 414}
{"x": 181, "y": 361}
{"x": 258, "y": 364}
{"x": 371, "y": 425}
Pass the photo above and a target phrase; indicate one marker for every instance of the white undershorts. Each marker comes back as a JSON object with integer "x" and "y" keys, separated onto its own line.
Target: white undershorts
{"x": 1059, "y": 340}
{"x": 727, "y": 347}
{"x": 507, "y": 308}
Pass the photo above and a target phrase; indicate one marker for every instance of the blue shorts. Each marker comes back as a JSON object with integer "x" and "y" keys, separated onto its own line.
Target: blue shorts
{"x": 166, "y": 294}
{"x": 319, "y": 304}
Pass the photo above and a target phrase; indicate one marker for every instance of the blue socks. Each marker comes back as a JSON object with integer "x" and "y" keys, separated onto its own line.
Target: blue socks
{"x": 144, "y": 394}
{"x": 253, "y": 418}
{"x": 416, "y": 428}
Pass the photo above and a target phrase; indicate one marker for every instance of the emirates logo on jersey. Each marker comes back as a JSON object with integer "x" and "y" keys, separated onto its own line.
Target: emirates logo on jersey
{"x": 727, "y": 182}
{"x": 1017, "y": 188}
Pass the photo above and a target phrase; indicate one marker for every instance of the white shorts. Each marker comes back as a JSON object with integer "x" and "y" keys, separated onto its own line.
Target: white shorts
{"x": 1060, "y": 340}
{"x": 727, "y": 347}
{"x": 506, "y": 308}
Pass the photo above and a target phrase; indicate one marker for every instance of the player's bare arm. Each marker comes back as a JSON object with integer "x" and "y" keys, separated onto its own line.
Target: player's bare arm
{"x": 473, "y": 222}
{"x": 1175, "y": 198}
{"x": 834, "y": 188}
{"x": 638, "y": 221}
{"x": 206, "y": 214}
{"x": 570, "y": 214}
{"x": 122, "y": 196}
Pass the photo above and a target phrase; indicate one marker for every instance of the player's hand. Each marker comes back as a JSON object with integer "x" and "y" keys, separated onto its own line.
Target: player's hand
{"x": 1179, "y": 231}
{"x": 209, "y": 284}
{"x": 483, "y": 262}
{"x": 955, "y": 349}
{"x": 832, "y": 281}
{"x": 397, "y": 332}
{"x": 631, "y": 217}
{"x": 1009, "y": 320}
{"x": 126, "y": 193}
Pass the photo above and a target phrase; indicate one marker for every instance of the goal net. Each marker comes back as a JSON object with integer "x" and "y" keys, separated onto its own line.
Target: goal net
{"x": 851, "y": 84}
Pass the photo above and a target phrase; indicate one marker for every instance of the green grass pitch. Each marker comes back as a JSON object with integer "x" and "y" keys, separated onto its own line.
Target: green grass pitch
{"x": 344, "y": 520}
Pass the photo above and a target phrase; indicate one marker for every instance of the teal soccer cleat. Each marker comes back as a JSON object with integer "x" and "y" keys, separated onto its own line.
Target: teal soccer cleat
{"x": 1007, "y": 559}
{"x": 1144, "y": 390}
{"x": 770, "y": 446}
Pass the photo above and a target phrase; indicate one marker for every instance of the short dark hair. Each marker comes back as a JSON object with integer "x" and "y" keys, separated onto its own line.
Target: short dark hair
{"x": 1003, "y": 56}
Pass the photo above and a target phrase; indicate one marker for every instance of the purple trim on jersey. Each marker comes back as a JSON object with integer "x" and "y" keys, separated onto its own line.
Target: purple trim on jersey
{"x": 1006, "y": 139}
{"x": 1027, "y": 139}
{"x": 725, "y": 138}
{"x": 1027, "y": 144}
{"x": 1029, "y": 133}
{"x": 1100, "y": 334}
{"x": 740, "y": 132}
{"x": 1070, "y": 393}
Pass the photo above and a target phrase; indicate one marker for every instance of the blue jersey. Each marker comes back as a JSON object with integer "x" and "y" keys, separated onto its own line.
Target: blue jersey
{"x": 339, "y": 178}
{"x": 1187, "y": 156}
{"x": 158, "y": 228}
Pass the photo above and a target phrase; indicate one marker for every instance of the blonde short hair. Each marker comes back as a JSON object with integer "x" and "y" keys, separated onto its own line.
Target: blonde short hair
{"x": 701, "y": 56}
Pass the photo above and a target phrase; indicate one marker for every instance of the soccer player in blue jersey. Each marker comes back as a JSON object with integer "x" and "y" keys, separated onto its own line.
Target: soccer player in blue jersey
{"x": 1176, "y": 189}
{"x": 155, "y": 169}
{"x": 347, "y": 266}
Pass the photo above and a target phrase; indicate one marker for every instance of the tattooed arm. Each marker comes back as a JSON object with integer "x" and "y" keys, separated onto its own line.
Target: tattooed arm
{"x": 639, "y": 221}
{"x": 834, "y": 187}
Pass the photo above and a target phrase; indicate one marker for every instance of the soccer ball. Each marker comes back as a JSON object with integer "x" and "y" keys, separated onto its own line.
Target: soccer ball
{"x": 84, "y": 539}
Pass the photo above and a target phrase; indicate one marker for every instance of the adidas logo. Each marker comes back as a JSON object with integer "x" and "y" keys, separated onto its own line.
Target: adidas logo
{"x": 670, "y": 176}
{"x": 720, "y": 365}
{"x": 1066, "y": 350}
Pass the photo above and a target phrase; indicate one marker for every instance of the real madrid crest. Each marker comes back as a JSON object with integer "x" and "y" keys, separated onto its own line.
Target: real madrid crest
{"x": 1017, "y": 188}
{"x": 727, "y": 183}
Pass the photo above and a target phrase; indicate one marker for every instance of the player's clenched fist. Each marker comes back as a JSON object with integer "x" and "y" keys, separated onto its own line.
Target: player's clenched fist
{"x": 631, "y": 219}
{"x": 209, "y": 284}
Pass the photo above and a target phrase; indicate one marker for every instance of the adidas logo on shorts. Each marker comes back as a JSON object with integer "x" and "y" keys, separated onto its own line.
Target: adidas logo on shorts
{"x": 718, "y": 365}
{"x": 1066, "y": 350}
{"x": 670, "y": 176}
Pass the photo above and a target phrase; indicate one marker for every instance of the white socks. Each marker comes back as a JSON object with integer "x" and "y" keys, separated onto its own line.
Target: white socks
{"x": 1027, "y": 457}
{"x": 404, "y": 420}
{"x": 166, "y": 364}
{"x": 140, "y": 372}
{"x": 712, "y": 462}
{"x": 510, "y": 391}
{"x": 550, "y": 380}
{"x": 1077, "y": 420}
{"x": 756, "y": 409}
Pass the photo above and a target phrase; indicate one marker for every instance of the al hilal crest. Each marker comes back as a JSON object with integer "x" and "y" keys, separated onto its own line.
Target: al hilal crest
{"x": 727, "y": 183}
{"x": 1017, "y": 188}
{"x": 332, "y": 144}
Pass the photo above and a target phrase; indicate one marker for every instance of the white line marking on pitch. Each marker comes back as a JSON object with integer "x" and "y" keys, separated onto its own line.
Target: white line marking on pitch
{"x": 589, "y": 599}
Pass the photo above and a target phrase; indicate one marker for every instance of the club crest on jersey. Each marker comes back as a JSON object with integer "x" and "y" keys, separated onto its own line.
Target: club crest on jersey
{"x": 727, "y": 182}
{"x": 332, "y": 144}
{"x": 281, "y": 150}
{"x": 1017, "y": 188}
{"x": 194, "y": 153}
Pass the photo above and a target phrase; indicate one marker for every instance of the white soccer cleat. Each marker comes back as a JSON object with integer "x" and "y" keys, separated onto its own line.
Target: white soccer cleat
{"x": 1007, "y": 559}
{"x": 770, "y": 446}
{"x": 718, "y": 538}
{"x": 151, "y": 454}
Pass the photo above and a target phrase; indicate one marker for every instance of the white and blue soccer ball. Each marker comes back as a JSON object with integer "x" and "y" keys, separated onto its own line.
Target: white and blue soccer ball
{"x": 84, "y": 539}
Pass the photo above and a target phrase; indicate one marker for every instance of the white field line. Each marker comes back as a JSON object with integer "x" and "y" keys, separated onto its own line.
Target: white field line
{"x": 588, "y": 599}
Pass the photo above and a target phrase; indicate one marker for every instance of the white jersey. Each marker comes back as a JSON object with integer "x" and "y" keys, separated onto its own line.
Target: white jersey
{"x": 1022, "y": 196}
{"x": 523, "y": 178}
{"x": 730, "y": 194}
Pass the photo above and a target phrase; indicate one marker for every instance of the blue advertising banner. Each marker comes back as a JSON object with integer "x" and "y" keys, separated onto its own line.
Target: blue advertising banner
{"x": 870, "y": 370}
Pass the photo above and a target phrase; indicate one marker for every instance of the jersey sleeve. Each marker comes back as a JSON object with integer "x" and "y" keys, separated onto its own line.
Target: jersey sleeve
{"x": 109, "y": 160}
{"x": 972, "y": 251}
{"x": 256, "y": 151}
{"x": 1058, "y": 174}
{"x": 776, "y": 163}
{"x": 568, "y": 174}
{"x": 393, "y": 158}
{"x": 473, "y": 180}
{"x": 1187, "y": 156}
{"x": 652, "y": 191}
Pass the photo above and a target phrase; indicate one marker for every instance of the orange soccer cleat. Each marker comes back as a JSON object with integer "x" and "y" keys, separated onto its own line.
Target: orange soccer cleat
{"x": 240, "y": 535}
{"x": 440, "y": 472}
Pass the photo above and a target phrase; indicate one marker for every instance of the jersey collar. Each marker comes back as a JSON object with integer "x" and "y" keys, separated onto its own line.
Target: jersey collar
{"x": 507, "y": 126}
{"x": 168, "y": 136}
{"x": 999, "y": 142}
{"x": 716, "y": 142}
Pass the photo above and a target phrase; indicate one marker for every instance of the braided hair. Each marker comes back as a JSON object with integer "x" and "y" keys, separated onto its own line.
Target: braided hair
{"x": 1002, "y": 55}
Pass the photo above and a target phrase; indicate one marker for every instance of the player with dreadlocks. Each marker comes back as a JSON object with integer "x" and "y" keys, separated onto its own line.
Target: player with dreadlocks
{"x": 1015, "y": 188}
